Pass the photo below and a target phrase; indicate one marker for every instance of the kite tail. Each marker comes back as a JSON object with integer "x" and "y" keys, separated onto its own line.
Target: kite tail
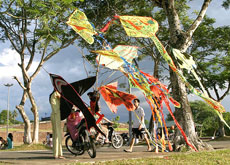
{"x": 178, "y": 126}
{"x": 222, "y": 119}
{"x": 201, "y": 85}
{"x": 165, "y": 126}
{"x": 164, "y": 53}
{"x": 151, "y": 140}
{"x": 106, "y": 27}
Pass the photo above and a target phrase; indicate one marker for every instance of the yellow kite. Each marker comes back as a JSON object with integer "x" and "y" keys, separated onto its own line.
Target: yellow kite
{"x": 112, "y": 58}
{"x": 80, "y": 24}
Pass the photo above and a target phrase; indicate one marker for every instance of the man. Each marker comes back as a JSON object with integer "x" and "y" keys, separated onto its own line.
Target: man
{"x": 56, "y": 125}
{"x": 138, "y": 126}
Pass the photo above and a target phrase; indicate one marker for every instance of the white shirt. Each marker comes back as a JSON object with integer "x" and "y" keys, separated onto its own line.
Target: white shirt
{"x": 140, "y": 113}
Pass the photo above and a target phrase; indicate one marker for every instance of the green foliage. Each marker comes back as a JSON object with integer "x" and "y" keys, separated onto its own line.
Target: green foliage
{"x": 146, "y": 122}
{"x": 226, "y": 117}
{"x": 3, "y": 117}
{"x": 226, "y": 4}
{"x": 211, "y": 51}
{"x": 205, "y": 115}
{"x": 12, "y": 117}
{"x": 116, "y": 121}
{"x": 38, "y": 23}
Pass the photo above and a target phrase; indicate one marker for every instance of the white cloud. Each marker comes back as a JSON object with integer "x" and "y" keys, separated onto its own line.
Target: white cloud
{"x": 9, "y": 60}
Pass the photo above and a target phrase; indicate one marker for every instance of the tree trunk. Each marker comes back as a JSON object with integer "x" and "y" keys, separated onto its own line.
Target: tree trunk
{"x": 184, "y": 117}
{"x": 182, "y": 40}
{"x": 27, "y": 126}
{"x": 34, "y": 109}
{"x": 221, "y": 128}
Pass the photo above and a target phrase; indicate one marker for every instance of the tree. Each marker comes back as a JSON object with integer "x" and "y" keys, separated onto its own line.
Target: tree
{"x": 181, "y": 38}
{"x": 226, "y": 116}
{"x": 13, "y": 116}
{"x": 213, "y": 61}
{"x": 204, "y": 114}
{"x": 3, "y": 117}
{"x": 37, "y": 30}
{"x": 226, "y": 4}
{"x": 116, "y": 121}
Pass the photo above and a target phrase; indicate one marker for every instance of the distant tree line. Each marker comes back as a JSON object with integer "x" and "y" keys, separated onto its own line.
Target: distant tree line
{"x": 12, "y": 117}
{"x": 204, "y": 115}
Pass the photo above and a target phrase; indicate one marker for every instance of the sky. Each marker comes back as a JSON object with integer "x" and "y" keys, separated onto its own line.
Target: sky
{"x": 68, "y": 63}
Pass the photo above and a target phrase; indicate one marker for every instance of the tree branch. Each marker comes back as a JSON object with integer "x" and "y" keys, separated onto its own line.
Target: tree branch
{"x": 199, "y": 18}
{"x": 62, "y": 46}
{"x": 32, "y": 52}
{"x": 6, "y": 11}
{"x": 9, "y": 36}
{"x": 225, "y": 93}
{"x": 43, "y": 60}
{"x": 19, "y": 82}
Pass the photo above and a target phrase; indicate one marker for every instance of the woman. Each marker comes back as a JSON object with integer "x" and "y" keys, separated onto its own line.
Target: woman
{"x": 10, "y": 141}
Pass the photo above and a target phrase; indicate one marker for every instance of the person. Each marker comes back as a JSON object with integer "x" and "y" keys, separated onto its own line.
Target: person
{"x": 95, "y": 110}
{"x": 3, "y": 143}
{"x": 56, "y": 125}
{"x": 103, "y": 127}
{"x": 75, "y": 119}
{"x": 171, "y": 132}
{"x": 94, "y": 101}
{"x": 138, "y": 126}
{"x": 48, "y": 140}
{"x": 10, "y": 141}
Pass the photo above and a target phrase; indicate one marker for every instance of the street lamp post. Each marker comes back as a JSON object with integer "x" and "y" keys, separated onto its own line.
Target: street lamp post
{"x": 8, "y": 107}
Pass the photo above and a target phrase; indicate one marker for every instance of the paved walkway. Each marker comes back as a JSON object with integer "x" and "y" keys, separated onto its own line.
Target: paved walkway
{"x": 103, "y": 154}
{"x": 45, "y": 157}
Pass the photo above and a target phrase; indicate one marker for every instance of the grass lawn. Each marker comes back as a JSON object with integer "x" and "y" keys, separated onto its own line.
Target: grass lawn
{"x": 26, "y": 147}
{"x": 22, "y": 130}
{"x": 194, "y": 158}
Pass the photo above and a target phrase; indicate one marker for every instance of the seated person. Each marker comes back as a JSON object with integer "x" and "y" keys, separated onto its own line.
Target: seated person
{"x": 10, "y": 141}
{"x": 104, "y": 128}
{"x": 3, "y": 143}
{"x": 75, "y": 119}
{"x": 95, "y": 110}
{"x": 48, "y": 140}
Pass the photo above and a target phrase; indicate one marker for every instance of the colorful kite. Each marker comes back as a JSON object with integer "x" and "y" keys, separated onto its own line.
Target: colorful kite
{"x": 111, "y": 58}
{"x": 139, "y": 79}
{"x": 80, "y": 24}
{"x": 114, "y": 98}
{"x": 81, "y": 87}
{"x": 68, "y": 93}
